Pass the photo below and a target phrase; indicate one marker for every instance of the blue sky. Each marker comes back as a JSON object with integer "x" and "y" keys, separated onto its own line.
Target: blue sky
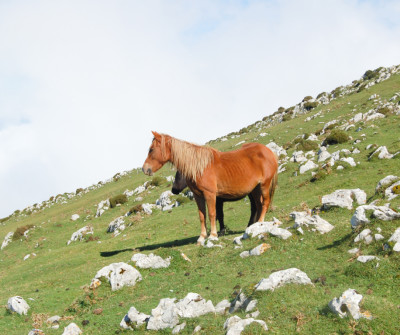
{"x": 83, "y": 83}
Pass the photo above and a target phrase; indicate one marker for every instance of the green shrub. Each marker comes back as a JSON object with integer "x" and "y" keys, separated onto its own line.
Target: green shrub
{"x": 331, "y": 126}
{"x": 79, "y": 190}
{"x": 307, "y": 98}
{"x": 287, "y": 116}
{"x": 19, "y": 232}
{"x": 336, "y": 92}
{"x": 156, "y": 181}
{"x": 337, "y": 136}
{"x": 281, "y": 109}
{"x": 117, "y": 177}
{"x": 385, "y": 111}
{"x": 118, "y": 200}
{"x": 181, "y": 199}
{"x": 310, "y": 105}
{"x": 5, "y": 219}
{"x": 321, "y": 95}
{"x": 307, "y": 145}
{"x": 136, "y": 209}
{"x": 396, "y": 189}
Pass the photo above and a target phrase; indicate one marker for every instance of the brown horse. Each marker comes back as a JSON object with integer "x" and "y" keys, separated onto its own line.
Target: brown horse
{"x": 180, "y": 184}
{"x": 210, "y": 173}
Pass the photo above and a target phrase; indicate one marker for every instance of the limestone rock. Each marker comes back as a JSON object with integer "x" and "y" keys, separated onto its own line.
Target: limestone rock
{"x": 72, "y": 329}
{"x": 178, "y": 328}
{"x": 309, "y": 165}
{"x": 344, "y": 198}
{"x": 165, "y": 315}
{"x": 303, "y": 218}
{"x": 323, "y": 154}
{"x": 280, "y": 278}
{"x": 7, "y": 240}
{"x": 241, "y": 302}
{"x": 364, "y": 236}
{"x": 222, "y": 307}
{"x": 235, "y": 325}
{"x": 102, "y": 207}
{"x": 257, "y": 251}
{"x": 18, "y": 304}
{"x": 382, "y": 153}
{"x": 74, "y": 217}
{"x": 396, "y": 238}
{"x": 276, "y": 149}
{"x": 193, "y": 305}
{"x": 150, "y": 261}
{"x": 365, "y": 259}
{"x": 79, "y": 234}
{"x": 116, "y": 226}
{"x": 383, "y": 213}
{"x": 390, "y": 193}
{"x": 385, "y": 182}
{"x": 118, "y": 275}
{"x": 133, "y": 319}
{"x": 348, "y": 302}
{"x": 270, "y": 227}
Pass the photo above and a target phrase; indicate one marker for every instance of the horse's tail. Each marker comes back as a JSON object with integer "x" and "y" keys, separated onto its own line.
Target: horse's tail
{"x": 274, "y": 181}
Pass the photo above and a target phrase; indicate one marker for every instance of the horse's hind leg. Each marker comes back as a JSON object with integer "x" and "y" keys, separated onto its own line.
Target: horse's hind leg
{"x": 201, "y": 205}
{"x": 220, "y": 216}
{"x": 266, "y": 200}
{"x": 256, "y": 199}
{"x": 253, "y": 215}
{"x": 211, "y": 205}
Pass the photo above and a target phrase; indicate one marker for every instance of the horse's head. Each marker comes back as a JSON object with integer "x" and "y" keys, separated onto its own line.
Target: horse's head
{"x": 179, "y": 183}
{"x": 159, "y": 154}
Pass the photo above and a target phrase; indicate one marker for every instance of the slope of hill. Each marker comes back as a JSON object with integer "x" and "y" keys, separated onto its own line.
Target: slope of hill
{"x": 54, "y": 279}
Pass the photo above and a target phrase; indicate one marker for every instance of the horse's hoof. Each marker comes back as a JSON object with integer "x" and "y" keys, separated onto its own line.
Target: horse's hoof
{"x": 201, "y": 240}
{"x": 213, "y": 238}
{"x": 222, "y": 232}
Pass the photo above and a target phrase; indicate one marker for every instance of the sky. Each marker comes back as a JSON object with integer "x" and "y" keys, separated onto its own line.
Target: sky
{"x": 83, "y": 83}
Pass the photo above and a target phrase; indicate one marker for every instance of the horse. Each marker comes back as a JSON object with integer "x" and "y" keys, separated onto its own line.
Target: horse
{"x": 180, "y": 184}
{"x": 211, "y": 173}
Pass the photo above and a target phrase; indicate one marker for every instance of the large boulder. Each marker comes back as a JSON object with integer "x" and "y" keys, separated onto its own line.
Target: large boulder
{"x": 150, "y": 261}
{"x": 193, "y": 306}
{"x": 270, "y": 227}
{"x": 344, "y": 198}
{"x": 385, "y": 182}
{"x": 383, "y": 213}
{"x": 283, "y": 277}
{"x": 118, "y": 275}
{"x": 18, "y": 305}
{"x": 348, "y": 302}
{"x": 165, "y": 315}
{"x": 309, "y": 165}
{"x": 276, "y": 149}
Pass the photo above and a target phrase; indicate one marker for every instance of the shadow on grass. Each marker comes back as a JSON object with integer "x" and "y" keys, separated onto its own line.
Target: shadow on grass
{"x": 169, "y": 244}
{"x": 336, "y": 243}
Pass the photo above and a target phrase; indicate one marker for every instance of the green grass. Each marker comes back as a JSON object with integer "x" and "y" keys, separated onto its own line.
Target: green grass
{"x": 57, "y": 278}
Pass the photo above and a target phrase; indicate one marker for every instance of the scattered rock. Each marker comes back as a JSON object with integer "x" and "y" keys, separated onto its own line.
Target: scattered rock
{"x": 36, "y": 332}
{"x": 165, "y": 315}
{"x": 222, "y": 307}
{"x": 116, "y": 226}
{"x": 271, "y": 227}
{"x": 74, "y": 217}
{"x": 348, "y": 302}
{"x": 72, "y": 329}
{"x": 80, "y": 234}
{"x": 344, "y": 198}
{"x": 309, "y": 165}
{"x": 382, "y": 153}
{"x": 257, "y": 251}
{"x": 179, "y": 328}
{"x": 365, "y": 259}
{"x": 235, "y": 325}
{"x": 7, "y": 240}
{"x": 118, "y": 275}
{"x": 150, "y": 261}
{"x": 18, "y": 304}
{"x": 303, "y": 218}
{"x": 392, "y": 191}
{"x": 383, "y": 213}
{"x": 241, "y": 302}
{"x": 276, "y": 149}
{"x": 353, "y": 251}
{"x": 193, "y": 305}
{"x": 280, "y": 278}
{"x": 102, "y": 207}
{"x": 385, "y": 182}
{"x": 396, "y": 238}
{"x": 133, "y": 319}
{"x": 364, "y": 236}
{"x": 323, "y": 154}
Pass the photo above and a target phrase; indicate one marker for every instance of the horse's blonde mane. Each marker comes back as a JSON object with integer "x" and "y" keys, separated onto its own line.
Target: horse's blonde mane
{"x": 190, "y": 159}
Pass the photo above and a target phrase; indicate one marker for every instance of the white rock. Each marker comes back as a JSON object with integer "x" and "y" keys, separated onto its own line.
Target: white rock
{"x": 382, "y": 153}
{"x": 298, "y": 157}
{"x": 165, "y": 315}
{"x": 7, "y": 240}
{"x": 362, "y": 236}
{"x": 270, "y": 227}
{"x": 235, "y": 325}
{"x": 364, "y": 259}
{"x": 18, "y": 304}
{"x": 164, "y": 199}
{"x": 303, "y": 218}
{"x": 358, "y": 117}
{"x": 117, "y": 225}
{"x": 241, "y": 302}
{"x": 383, "y": 213}
{"x": 139, "y": 189}
{"x": 72, "y": 329}
{"x": 133, "y": 319}
{"x": 147, "y": 208}
{"x": 396, "y": 238}
{"x": 257, "y": 251}
{"x": 378, "y": 237}
{"x": 323, "y": 154}
{"x": 348, "y": 302}
{"x": 179, "y": 328}
{"x": 349, "y": 160}
{"x": 102, "y": 206}
{"x": 74, "y": 217}
{"x": 280, "y": 278}
{"x": 222, "y": 307}
{"x": 193, "y": 306}
{"x": 150, "y": 261}
{"x": 79, "y": 234}
{"x": 196, "y": 329}
{"x": 344, "y": 198}
{"x": 118, "y": 275}
{"x": 36, "y": 332}
{"x": 353, "y": 251}
{"x": 389, "y": 194}
{"x": 276, "y": 148}
{"x": 310, "y": 165}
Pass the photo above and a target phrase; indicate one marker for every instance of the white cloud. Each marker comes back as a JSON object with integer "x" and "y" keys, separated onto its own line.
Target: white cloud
{"x": 82, "y": 83}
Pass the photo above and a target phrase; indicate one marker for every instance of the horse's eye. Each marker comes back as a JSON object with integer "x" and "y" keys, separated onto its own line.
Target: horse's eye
{"x": 150, "y": 150}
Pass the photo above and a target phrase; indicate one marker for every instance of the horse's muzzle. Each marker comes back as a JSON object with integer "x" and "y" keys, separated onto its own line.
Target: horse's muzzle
{"x": 147, "y": 171}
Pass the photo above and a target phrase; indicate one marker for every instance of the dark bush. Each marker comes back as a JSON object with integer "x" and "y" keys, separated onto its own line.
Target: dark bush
{"x": 331, "y": 126}
{"x": 337, "y": 136}
{"x": 19, "y": 232}
{"x": 321, "y": 95}
{"x": 307, "y": 98}
{"x": 385, "y": 111}
{"x": 136, "y": 209}
{"x": 117, "y": 177}
{"x": 287, "y": 117}
{"x": 336, "y": 92}
{"x": 310, "y": 105}
{"x": 281, "y": 109}
{"x": 307, "y": 145}
{"x": 118, "y": 200}
{"x": 79, "y": 190}
{"x": 156, "y": 181}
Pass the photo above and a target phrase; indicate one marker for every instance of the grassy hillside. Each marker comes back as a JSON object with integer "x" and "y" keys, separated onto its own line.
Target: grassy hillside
{"x": 56, "y": 280}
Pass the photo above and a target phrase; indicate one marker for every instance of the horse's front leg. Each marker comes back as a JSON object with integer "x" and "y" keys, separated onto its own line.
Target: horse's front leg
{"x": 201, "y": 205}
{"x": 211, "y": 201}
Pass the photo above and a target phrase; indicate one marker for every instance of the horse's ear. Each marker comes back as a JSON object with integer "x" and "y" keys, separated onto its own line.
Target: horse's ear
{"x": 157, "y": 136}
